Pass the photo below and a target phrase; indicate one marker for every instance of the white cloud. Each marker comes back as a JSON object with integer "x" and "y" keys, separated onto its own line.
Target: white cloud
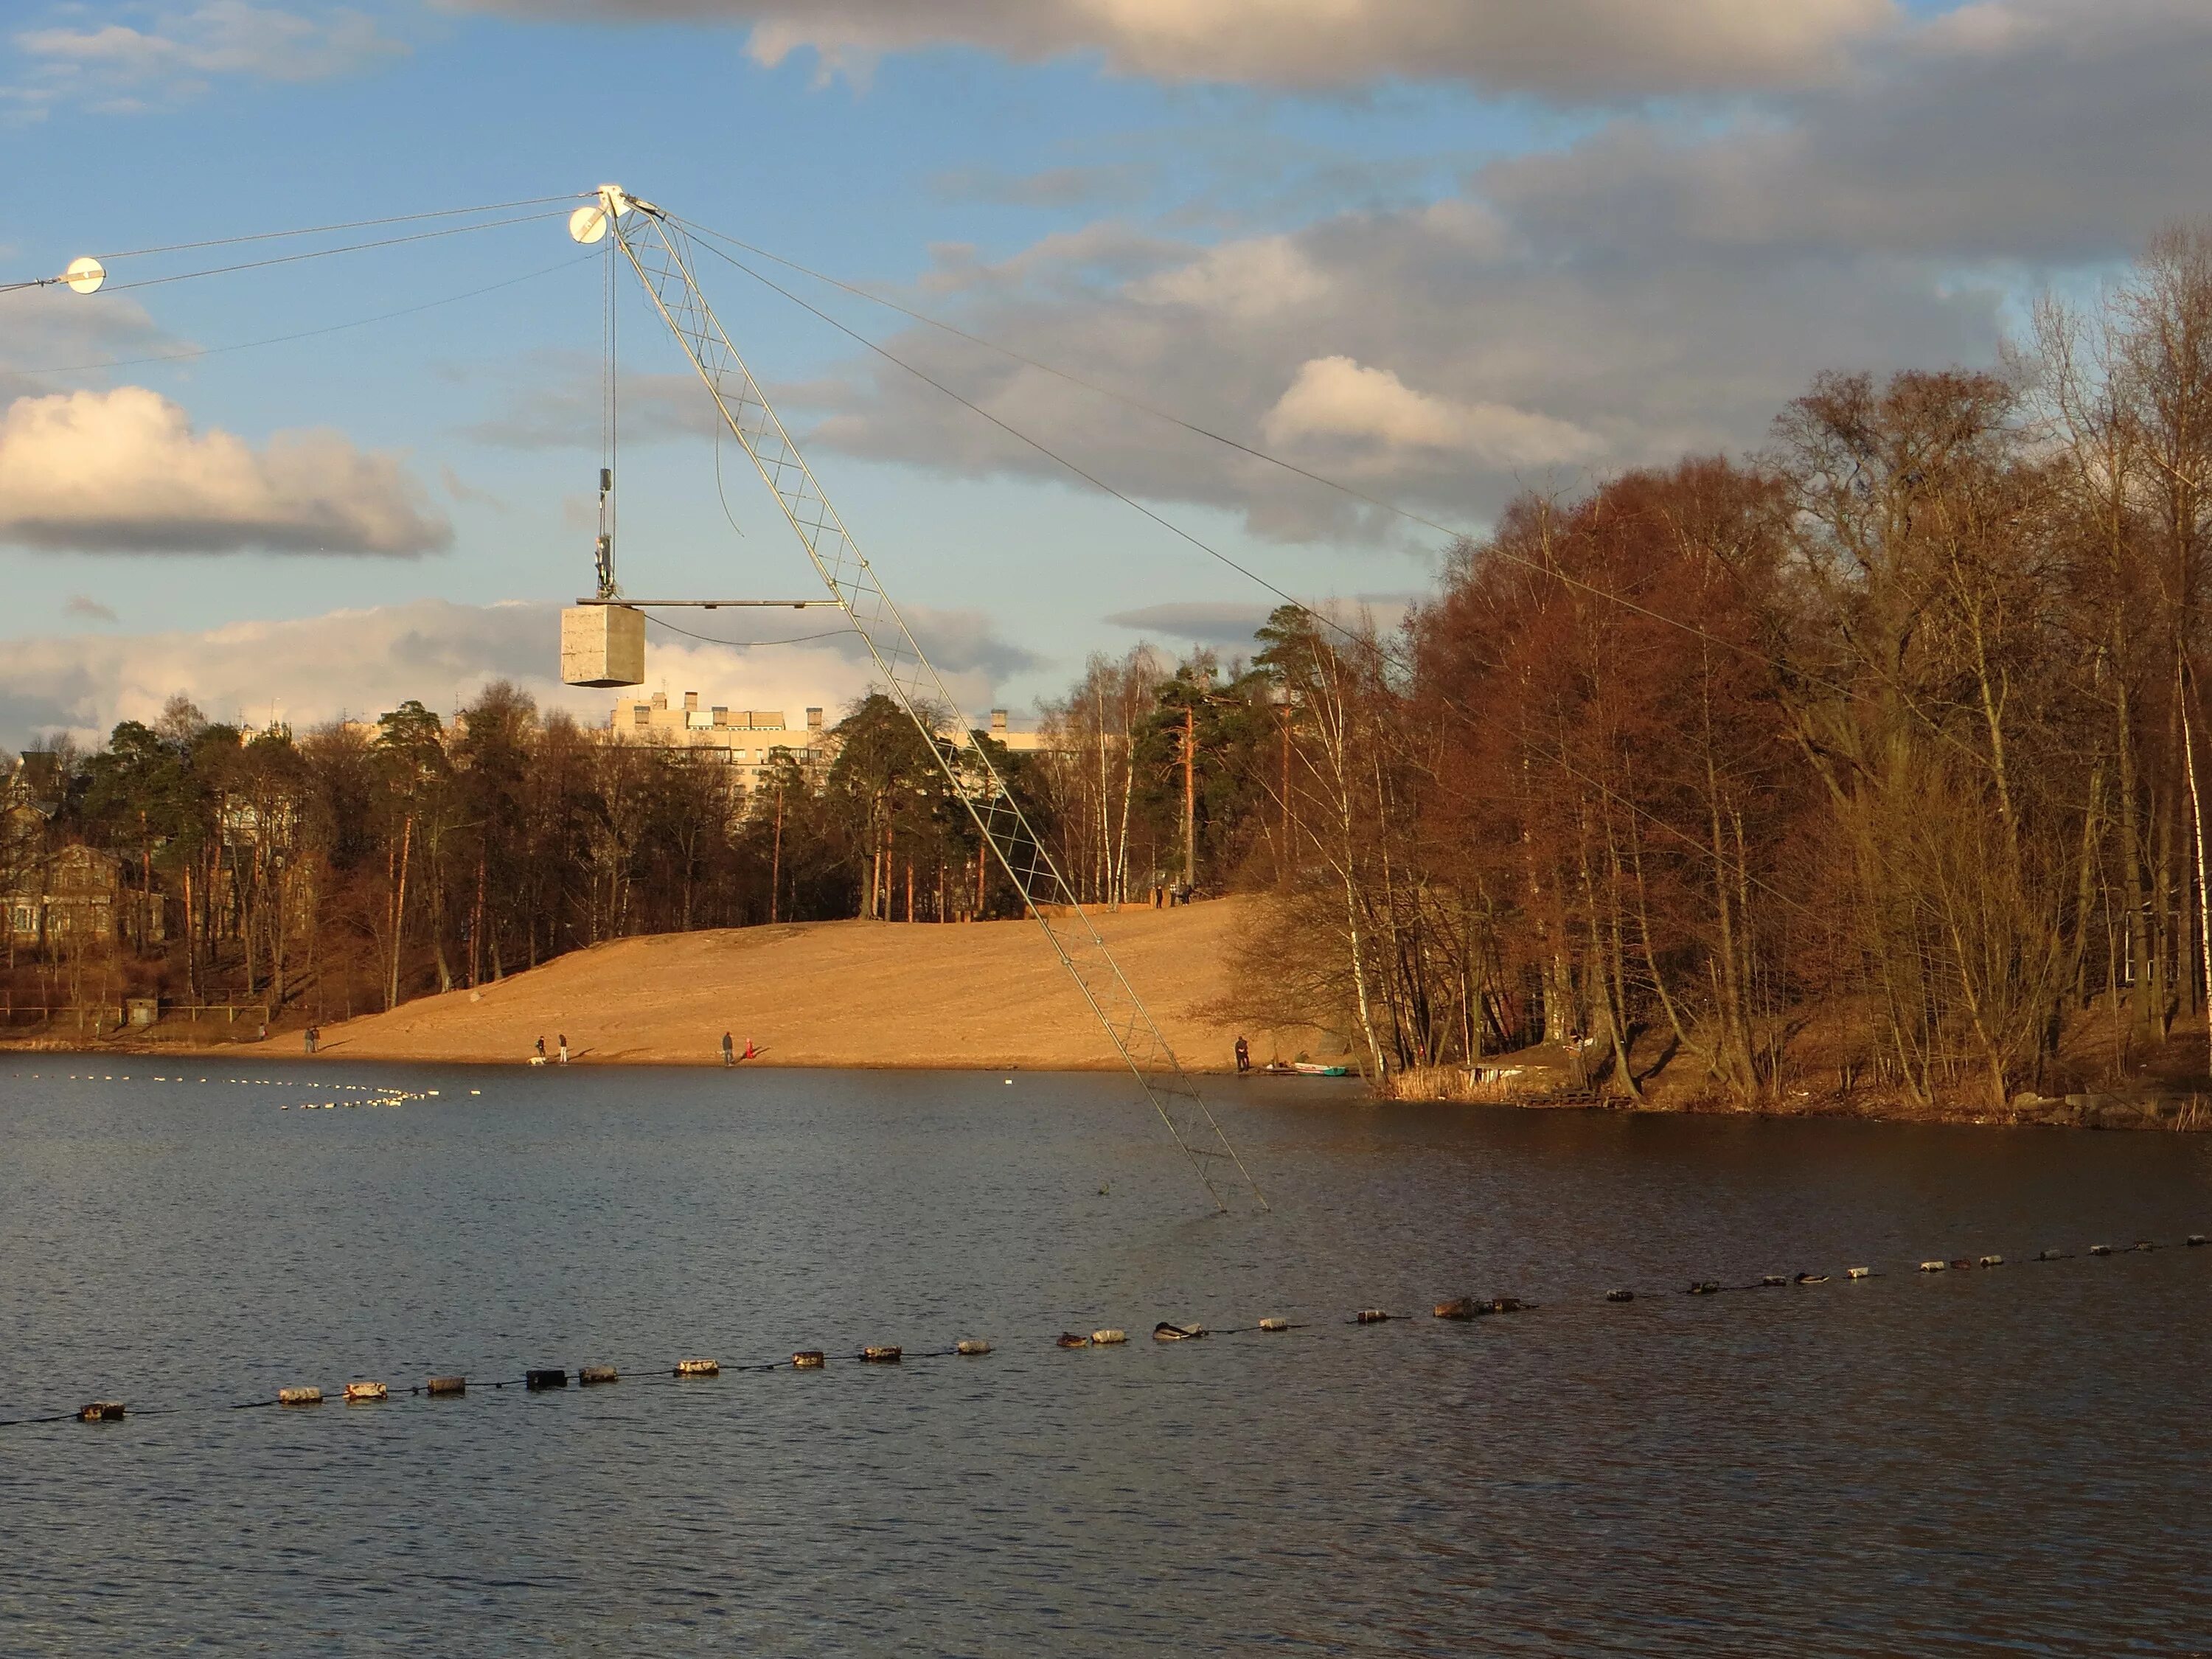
{"x": 1428, "y": 376}
{"x": 1335, "y": 398}
{"x": 1207, "y": 621}
{"x": 1570, "y": 48}
{"x": 1231, "y": 624}
{"x": 117, "y": 67}
{"x": 125, "y": 472}
{"x": 2022, "y": 130}
{"x": 1254, "y": 281}
{"x": 45, "y": 332}
{"x": 360, "y": 663}
{"x": 1654, "y": 286}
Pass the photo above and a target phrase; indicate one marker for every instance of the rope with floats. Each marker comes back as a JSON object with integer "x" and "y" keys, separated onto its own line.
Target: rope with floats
{"x": 1460, "y": 1309}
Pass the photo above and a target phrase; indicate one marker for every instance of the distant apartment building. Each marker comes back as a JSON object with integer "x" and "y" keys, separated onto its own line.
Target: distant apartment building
{"x": 748, "y": 739}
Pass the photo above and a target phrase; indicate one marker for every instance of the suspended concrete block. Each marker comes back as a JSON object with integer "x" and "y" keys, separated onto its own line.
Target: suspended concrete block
{"x": 602, "y": 645}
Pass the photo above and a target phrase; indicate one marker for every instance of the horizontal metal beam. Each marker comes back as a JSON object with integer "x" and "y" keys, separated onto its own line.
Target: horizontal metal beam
{"x": 706, "y": 605}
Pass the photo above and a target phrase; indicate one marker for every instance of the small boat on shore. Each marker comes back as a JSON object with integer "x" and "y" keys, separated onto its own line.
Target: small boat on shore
{"x": 1303, "y": 1068}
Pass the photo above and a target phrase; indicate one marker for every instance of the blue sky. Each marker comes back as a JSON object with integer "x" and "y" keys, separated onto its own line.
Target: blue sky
{"x": 1444, "y": 252}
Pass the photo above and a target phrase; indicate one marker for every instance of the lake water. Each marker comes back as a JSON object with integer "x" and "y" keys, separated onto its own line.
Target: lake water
{"x": 2012, "y": 1461}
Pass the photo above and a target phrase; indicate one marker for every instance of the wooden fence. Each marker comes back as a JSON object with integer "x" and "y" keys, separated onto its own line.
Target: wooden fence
{"x": 101, "y": 1019}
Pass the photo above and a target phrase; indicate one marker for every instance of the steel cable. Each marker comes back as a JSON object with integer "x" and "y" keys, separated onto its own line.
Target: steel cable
{"x": 1481, "y": 1311}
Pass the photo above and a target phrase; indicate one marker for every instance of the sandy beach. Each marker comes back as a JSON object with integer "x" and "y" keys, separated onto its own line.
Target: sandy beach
{"x": 854, "y": 994}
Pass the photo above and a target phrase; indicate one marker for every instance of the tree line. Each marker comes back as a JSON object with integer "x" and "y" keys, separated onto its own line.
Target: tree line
{"x": 1872, "y": 760}
{"x": 345, "y": 869}
{"x": 1869, "y": 761}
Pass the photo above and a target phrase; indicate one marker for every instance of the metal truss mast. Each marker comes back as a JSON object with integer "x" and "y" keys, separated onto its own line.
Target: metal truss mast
{"x": 662, "y": 254}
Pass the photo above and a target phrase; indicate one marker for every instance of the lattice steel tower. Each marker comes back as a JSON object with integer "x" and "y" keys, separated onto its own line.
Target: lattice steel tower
{"x": 660, "y": 252}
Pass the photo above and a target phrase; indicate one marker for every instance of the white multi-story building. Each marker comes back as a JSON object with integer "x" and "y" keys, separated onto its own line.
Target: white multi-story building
{"x": 749, "y": 739}
{"x": 746, "y": 738}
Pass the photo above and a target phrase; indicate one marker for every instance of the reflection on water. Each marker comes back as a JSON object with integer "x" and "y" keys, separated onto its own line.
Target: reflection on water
{"x": 1994, "y": 1462}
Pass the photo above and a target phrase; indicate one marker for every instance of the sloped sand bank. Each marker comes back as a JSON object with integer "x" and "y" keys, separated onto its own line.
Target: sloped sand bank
{"x": 834, "y": 993}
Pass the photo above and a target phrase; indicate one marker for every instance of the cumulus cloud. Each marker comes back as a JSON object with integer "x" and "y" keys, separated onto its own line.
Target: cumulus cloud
{"x": 1564, "y": 48}
{"x": 1652, "y": 286}
{"x": 119, "y": 67}
{"x": 49, "y": 332}
{"x": 360, "y": 663}
{"x": 1207, "y": 622}
{"x": 1255, "y": 280}
{"x": 1233, "y": 622}
{"x": 1411, "y": 360}
{"x": 2024, "y": 130}
{"x": 1336, "y": 399}
{"x": 126, "y": 471}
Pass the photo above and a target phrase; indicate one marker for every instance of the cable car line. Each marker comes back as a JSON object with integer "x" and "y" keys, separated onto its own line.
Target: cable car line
{"x": 742, "y": 645}
{"x": 1050, "y": 453}
{"x": 1073, "y": 378}
{"x": 68, "y": 275}
{"x": 352, "y": 224}
{"x": 1766, "y": 657}
{"x": 1321, "y": 617}
{"x": 324, "y": 252}
{"x": 707, "y": 238}
{"x": 197, "y": 352}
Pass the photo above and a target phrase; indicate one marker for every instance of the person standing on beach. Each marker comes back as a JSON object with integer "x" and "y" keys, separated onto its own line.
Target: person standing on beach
{"x": 541, "y": 1048}
{"x": 564, "y": 1047}
{"x": 310, "y": 1037}
{"x": 1243, "y": 1056}
{"x": 729, "y": 1050}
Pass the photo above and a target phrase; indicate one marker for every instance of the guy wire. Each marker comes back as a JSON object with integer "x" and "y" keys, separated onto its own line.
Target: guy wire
{"x": 197, "y": 352}
{"x": 322, "y": 252}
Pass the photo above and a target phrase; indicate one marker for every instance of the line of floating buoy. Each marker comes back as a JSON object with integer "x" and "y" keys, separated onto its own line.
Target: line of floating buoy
{"x": 380, "y": 1094}
{"x": 1465, "y": 1308}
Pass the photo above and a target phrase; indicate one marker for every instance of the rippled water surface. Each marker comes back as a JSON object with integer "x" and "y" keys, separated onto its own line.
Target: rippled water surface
{"x": 2012, "y": 1461}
